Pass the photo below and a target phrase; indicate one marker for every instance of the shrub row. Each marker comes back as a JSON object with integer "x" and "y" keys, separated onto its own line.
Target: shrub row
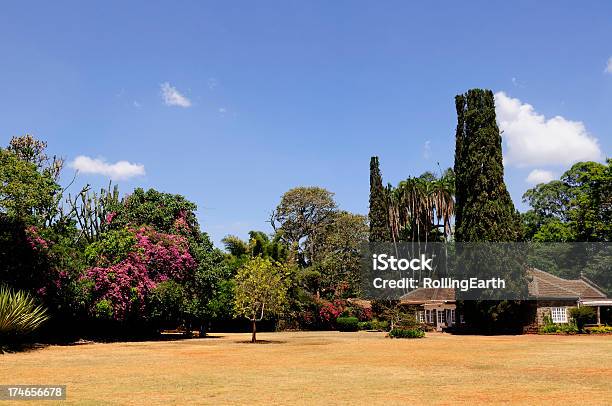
{"x": 401, "y": 333}
{"x": 599, "y": 330}
{"x": 567, "y": 328}
{"x": 374, "y": 325}
{"x": 347, "y": 323}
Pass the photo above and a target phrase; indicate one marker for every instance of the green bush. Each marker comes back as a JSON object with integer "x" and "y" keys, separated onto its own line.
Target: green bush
{"x": 347, "y": 323}
{"x": 599, "y": 330}
{"x": 401, "y": 333}
{"x": 365, "y": 325}
{"x": 582, "y": 315}
{"x": 19, "y": 313}
{"x": 380, "y": 325}
{"x": 103, "y": 309}
{"x": 566, "y": 328}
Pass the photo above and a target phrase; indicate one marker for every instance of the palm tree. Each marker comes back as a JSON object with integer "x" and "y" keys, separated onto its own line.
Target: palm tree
{"x": 422, "y": 208}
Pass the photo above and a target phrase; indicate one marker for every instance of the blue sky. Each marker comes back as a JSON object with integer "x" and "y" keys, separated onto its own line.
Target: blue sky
{"x": 264, "y": 96}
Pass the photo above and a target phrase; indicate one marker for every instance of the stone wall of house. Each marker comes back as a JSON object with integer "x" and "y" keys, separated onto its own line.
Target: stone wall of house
{"x": 540, "y": 308}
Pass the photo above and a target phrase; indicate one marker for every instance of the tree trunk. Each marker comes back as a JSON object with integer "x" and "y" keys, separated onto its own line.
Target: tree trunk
{"x": 253, "y": 337}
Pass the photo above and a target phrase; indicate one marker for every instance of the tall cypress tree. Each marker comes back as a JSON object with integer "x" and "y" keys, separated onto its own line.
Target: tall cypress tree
{"x": 484, "y": 209}
{"x": 379, "y": 212}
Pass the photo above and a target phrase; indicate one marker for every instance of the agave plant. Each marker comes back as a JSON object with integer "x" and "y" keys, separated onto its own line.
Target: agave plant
{"x": 19, "y": 313}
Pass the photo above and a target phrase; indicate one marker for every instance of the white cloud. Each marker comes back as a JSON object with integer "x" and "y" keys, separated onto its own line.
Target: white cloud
{"x": 539, "y": 176}
{"x": 172, "y": 97}
{"x": 118, "y": 171}
{"x": 222, "y": 110}
{"x": 609, "y": 66}
{"x": 533, "y": 140}
{"x": 136, "y": 104}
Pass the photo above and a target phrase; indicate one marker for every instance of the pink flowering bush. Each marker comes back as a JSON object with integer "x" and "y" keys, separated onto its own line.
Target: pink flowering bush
{"x": 120, "y": 290}
{"x": 110, "y": 216}
{"x": 330, "y": 311}
{"x": 37, "y": 243}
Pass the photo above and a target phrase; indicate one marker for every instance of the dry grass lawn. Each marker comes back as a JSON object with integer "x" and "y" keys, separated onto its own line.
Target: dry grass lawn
{"x": 326, "y": 368}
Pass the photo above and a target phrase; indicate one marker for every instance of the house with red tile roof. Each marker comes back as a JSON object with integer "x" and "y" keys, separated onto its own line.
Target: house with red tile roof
{"x": 549, "y": 296}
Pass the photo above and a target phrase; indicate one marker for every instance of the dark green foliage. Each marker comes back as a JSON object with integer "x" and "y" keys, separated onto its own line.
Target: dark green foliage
{"x": 421, "y": 208}
{"x": 167, "y": 304}
{"x": 403, "y": 333}
{"x": 578, "y": 207}
{"x": 379, "y": 211}
{"x": 337, "y": 255}
{"x": 21, "y": 265}
{"x": 484, "y": 209}
{"x": 165, "y": 212}
{"x": 111, "y": 248}
{"x": 301, "y": 214}
{"x": 220, "y": 306}
{"x": 374, "y": 325}
{"x": 347, "y": 324}
{"x": 259, "y": 245}
{"x": 582, "y": 315}
{"x": 26, "y": 194}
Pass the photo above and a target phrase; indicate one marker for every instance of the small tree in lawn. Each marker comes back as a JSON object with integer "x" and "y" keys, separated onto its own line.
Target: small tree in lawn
{"x": 260, "y": 291}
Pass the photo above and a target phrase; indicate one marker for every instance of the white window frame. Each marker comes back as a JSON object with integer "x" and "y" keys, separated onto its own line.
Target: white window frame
{"x": 558, "y": 315}
{"x": 421, "y": 316}
{"x": 441, "y": 317}
{"x": 428, "y": 316}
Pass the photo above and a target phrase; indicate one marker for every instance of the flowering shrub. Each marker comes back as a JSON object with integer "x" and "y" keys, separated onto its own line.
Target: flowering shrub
{"x": 120, "y": 290}
{"x": 330, "y": 311}
{"x": 110, "y": 216}
{"x": 362, "y": 313}
{"x": 37, "y": 243}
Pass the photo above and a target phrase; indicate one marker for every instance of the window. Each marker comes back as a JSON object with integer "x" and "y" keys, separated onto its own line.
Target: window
{"x": 421, "y": 317}
{"x": 452, "y": 316}
{"x": 558, "y": 314}
{"x": 441, "y": 317}
{"x": 428, "y": 317}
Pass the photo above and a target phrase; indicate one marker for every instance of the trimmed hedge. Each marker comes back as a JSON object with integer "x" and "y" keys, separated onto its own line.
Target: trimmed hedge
{"x": 401, "y": 333}
{"x": 347, "y": 323}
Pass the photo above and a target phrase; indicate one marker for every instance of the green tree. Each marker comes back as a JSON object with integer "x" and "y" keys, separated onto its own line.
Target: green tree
{"x": 578, "y": 207}
{"x": 25, "y": 193}
{"x": 259, "y": 244}
{"x": 483, "y": 209}
{"x": 166, "y": 212}
{"x": 260, "y": 291}
{"x": 302, "y": 213}
{"x": 421, "y": 209}
{"x": 338, "y": 255}
{"x": 379, "y": 214}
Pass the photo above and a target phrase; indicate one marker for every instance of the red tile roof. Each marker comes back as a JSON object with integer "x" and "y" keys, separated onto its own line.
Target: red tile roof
{"x": 545, "y": 285}
{"x": 423, "y": 295}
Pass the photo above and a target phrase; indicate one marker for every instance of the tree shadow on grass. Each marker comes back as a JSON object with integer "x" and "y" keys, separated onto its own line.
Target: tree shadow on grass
{"x": 263, "y": 342}
{"x": 23, "y": 347}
